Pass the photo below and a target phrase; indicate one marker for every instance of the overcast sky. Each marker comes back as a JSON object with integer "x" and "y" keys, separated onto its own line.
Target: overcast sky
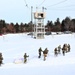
{"x": 20, "y": 10}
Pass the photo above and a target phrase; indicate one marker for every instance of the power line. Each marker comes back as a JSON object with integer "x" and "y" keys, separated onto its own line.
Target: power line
{"x": 68, "y": 6}
{"x": 63, "y": 9}
{"x": 41, "y": 3}
{"x": 57, "y": 3}
{"x": 26, "y": 3}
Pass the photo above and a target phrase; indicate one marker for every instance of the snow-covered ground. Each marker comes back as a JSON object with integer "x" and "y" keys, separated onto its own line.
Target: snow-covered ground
{"x": 13, "y": 47}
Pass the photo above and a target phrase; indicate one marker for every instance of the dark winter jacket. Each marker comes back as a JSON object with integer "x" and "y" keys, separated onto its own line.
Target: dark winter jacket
{"x": 25, "y": 56}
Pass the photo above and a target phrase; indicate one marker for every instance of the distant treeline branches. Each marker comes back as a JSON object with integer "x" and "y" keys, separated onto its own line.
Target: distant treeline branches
{"x": 67, "y": 24}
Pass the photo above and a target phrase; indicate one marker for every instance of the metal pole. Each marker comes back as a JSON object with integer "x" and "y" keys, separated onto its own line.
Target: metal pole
{"x": 43, "y": 20}
{"x": 31, "y": 14}
{"x": 32, "y": 20}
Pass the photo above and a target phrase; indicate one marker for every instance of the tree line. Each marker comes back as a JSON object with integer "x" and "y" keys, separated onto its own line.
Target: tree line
{"x": 67, "y": 24}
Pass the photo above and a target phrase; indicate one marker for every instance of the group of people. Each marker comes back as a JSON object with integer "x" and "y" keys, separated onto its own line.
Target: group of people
{"x": 66, "y": 48}
{"x": 45, "y": 52}
{"x": 1, "y": 58}
{"x": 58, "y": 50}
{"x": 40, "y": 51}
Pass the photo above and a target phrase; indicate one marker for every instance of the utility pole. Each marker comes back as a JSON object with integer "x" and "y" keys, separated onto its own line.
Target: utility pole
{"x": 31, "y": 14}
{"x": 32, "y": 21}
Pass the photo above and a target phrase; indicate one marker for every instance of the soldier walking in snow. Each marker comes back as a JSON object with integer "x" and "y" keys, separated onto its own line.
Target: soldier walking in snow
{"x": 65, "y": 48}
{"x": 45, "y": 52}
{"x": 25, "y": 57}
{"x": 59, "y": 48}
{"x": 1, "y": 58}
{"x": 55, "y": 52}
{"x": 63, "y": 51}
{"x": 68, "y": 46}
{"x": 40, "y": 50}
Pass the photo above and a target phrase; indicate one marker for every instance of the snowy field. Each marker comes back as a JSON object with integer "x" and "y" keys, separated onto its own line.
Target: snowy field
{"x": 13, "y": 47}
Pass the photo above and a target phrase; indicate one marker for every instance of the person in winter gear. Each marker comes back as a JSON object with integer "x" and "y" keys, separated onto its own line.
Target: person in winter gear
{"x": 40, "y": 50}
{"x": 68, "y": 46}
{"x": 25, "y": 57}
{"x": 65, "y": 48}
{"x": 45, "y": 52}
{"x": 59, "y": 48}
{"x": 1, "y": 59}
{"x": 55, "y": 52}
{"x": 63, "y": 51}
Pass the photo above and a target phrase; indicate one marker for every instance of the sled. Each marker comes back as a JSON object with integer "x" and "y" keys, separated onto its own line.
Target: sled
{"x": 18, "y": 60}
